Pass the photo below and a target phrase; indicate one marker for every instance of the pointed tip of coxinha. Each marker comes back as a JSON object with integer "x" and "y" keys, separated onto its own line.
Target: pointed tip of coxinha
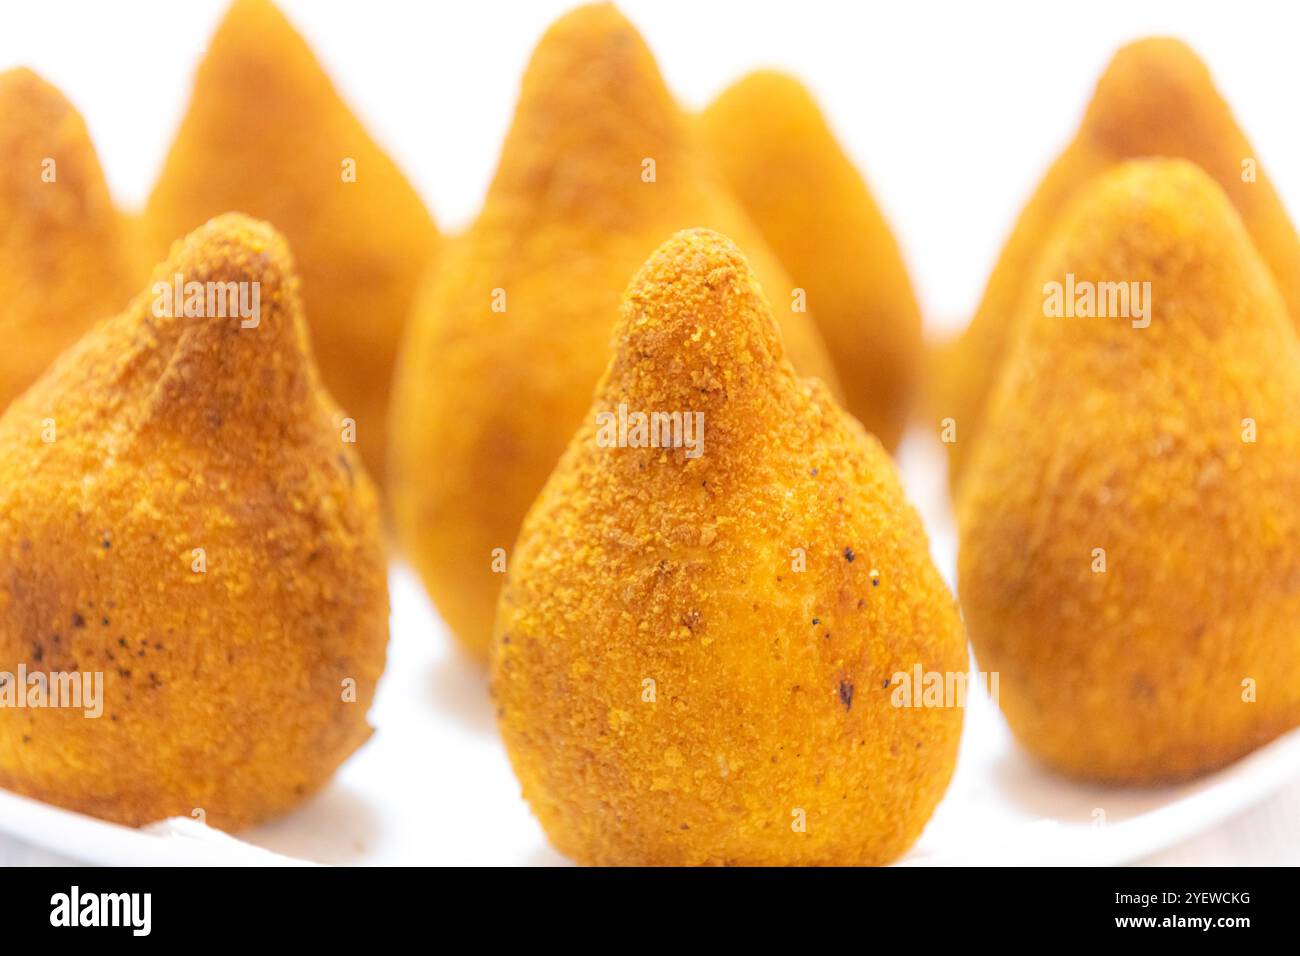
{"x": 66, "y": 259}
{"x": 694, "y": 321}
{"x": 1155, "y": 98}
{"x": 781, "y": 158}
{"x": 253, "y": 48}
{"x": 696, "y": 335}
{"x": 1151, "y": 87}
{"x": 249, "y": 26}
{"x": 39, "y": 126}
{"x": 586, "y": 20}
{"x": 22, "y": 86}
{"x": 1167, "y": 222}
{"x": 250, "y": 346}
{"x": 588, "y": 30}
{"x": 568, "y": 130}
{"x": 215, "y": 343}
{"x": 771, "y": 103}
{"x": 233, "y": 248}
{"x": 267, "y": 133}
{"x": 573, "y": 155}
{"x": 599, "y": 44}
{"x": 1158, "y": 98}
{"x": 1161, "y": 222}
{"x": 767, "y": 85}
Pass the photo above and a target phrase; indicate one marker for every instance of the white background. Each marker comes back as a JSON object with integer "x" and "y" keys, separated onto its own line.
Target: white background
{"x": 952, "y": 110}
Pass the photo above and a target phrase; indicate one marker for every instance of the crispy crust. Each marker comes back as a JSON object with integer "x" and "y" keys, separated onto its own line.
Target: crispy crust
{"x": 1105, "y": 436}
{"x": 64, "y": 261}
{"x": 266, "y": 134}
{"x": 771, "y": 684}
{"x": 222, "y": 688}
{"x": 781, "y": 159}
{"x": 1155, "y": 99}
{"x": 486, "y": 400}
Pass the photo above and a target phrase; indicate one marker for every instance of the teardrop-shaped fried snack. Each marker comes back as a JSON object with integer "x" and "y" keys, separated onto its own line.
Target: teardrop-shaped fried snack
{"x": 1155, "y": 99}
{"x": 64, "y": 261}
{"x": 267, "y": 134}
{"x": 1130, "y": 517}
{"x": 781, "y": 159}
{"x": 600, "y": 166}
{"x": 706, "y": 626}
{"x": 179, "y": 516}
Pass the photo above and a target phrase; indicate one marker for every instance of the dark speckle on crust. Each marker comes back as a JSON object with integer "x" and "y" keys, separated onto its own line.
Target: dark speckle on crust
{"x": 846, "y": 694}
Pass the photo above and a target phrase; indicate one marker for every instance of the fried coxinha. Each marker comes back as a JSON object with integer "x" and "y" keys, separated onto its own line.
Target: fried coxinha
{"x": 699, "y": 649}
{"x": 511, "y": 335}
{"x": 65, "y": 260}
{"x": 1156, "y": 98}
{"x": 304, "y": 162}
{"x": 1129, "y": 523}
{"x": 781, "y": 159}
{"x": 179, "y": 515}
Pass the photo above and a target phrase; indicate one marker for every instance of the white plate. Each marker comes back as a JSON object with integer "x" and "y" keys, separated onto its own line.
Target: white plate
{"x": 433, "y": 785}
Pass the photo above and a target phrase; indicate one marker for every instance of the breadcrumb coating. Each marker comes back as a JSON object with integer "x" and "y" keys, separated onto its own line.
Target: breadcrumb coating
{"x": 177, "y": 512}
{"x": 781, "y": 159}
{"x": 64, "y": 261}
{"x": 1128, "y": 523}
{"x": 510, "y": 337}
{"x": 1156, "y": 98}
{"x": 267, "y": 134}
{"x": 694, "y": 656}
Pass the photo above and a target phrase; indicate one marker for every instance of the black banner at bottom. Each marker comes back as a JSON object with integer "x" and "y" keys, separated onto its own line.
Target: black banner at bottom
{"x": 333, "y": 906}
